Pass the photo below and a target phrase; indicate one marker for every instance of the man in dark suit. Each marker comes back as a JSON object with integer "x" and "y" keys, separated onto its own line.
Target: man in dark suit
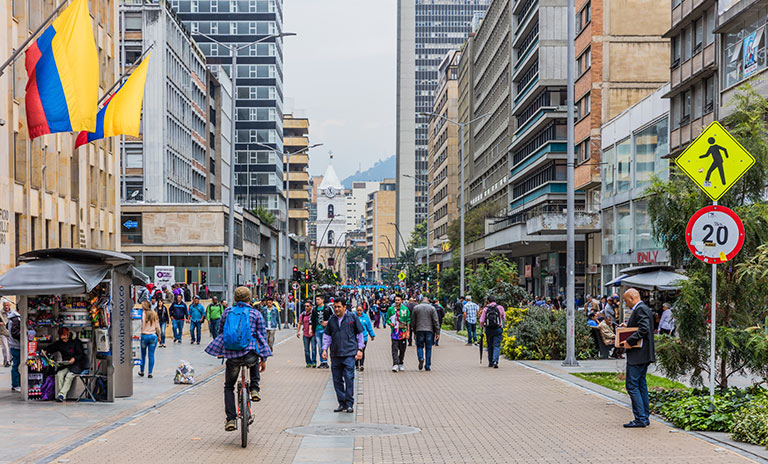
{"x": 639, "y": 357}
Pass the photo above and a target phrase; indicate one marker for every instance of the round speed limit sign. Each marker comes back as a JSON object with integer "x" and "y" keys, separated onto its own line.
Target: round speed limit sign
{"x": 314, "y": 286}
{"x": 296, "y": 286}
{"x": 714, "y": 234}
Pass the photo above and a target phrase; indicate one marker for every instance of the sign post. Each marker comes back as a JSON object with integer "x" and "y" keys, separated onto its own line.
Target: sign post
{"x": 714, "y": 161}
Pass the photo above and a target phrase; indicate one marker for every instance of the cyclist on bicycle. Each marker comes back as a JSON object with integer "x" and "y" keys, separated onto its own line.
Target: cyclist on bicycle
{"x": 255, "y": 352}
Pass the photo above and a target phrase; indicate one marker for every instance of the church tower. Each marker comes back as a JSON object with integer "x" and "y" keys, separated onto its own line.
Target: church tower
{"x": 331, "y": 223}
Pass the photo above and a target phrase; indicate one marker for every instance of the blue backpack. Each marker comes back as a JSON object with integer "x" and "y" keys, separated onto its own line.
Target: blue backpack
{"x": 237, "y": 328}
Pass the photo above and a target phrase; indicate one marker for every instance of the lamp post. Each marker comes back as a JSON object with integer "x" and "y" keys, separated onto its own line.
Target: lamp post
{"x": 397, "y": 229}
{"x": 288, "y": 198}
{"x": 233, "y": 49}
{"x": 429, "y": 188}
{"x": 461, "y": 125}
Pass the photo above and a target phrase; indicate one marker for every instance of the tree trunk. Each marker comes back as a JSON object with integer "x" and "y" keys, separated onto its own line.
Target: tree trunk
{"x": 723, "y": 376}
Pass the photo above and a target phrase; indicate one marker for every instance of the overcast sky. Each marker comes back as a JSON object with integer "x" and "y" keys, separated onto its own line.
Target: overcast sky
{"x": 340, "y": 73}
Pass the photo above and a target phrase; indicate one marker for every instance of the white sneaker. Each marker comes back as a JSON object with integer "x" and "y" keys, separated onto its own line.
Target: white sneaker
{"x": 16, "y": 389}
{"x": 400, "y": 368}
{"x": 394, "y": 368}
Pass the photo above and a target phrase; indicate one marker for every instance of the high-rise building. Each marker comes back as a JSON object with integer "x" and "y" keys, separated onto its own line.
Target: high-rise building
{"x": 258, "y": 83}
{"x": 356, "y": 200}
{"x": 444, "y": 153}
{"x": 314, "y": 183}
{"x": 296, "y": 141}
{"x": 220, "y": 98}
{"x": 169, "y": 161}
{"x": 52, "y": 195}
{"x": 380, "y": 231}
{"x": 426, "y": 31}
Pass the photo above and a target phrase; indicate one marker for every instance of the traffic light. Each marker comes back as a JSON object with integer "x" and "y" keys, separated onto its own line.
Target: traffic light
{"x": 306, "y": 276}
{"x": 187, "y": 276}
{"x": 203, "y": 278}
{"x": 296, "y": 275}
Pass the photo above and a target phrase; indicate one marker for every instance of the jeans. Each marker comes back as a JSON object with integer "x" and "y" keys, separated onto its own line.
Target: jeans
{"x": 148, "y": 342}
{"x": 15, "y": 376}
{"x": 232, "y": 374}
{"x": 471, "y": 332}
{"x": 194, "y": 330}
{"x": 638, "y": 391}
{"x": 361, "y": 362}
{"x": 398, "y": 351}
{"x": 163, "y": 325}
{"x": 213, "y": 327}
{"x": 493, "y": 337}
{"x": 310, "y": 350}
{"x": 424, "y": 341}
{"x": 319, "y": 343}
{"x": 178, "y": 327}
{"x": 271, "y": 338}
{"x": 343, "y": 372}
{"x": 64, "y": 378}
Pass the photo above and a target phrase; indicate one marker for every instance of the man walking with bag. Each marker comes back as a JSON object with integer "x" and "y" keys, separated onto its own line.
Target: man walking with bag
{"x": 639, "y": 357}
{"x": 426, "y": 323}
{"x": 344, "y": 336}
{"x": 398, "y": 320}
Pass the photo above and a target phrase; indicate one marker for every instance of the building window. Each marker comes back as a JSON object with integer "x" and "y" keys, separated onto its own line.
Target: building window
{"x": 608, "y": 232}
{"x": 709, "y": 94}
{"x": 675, "y": 52}
{"x": 651, "y": 144}
{"x": 130, "y": 228}
{"x": 330, "y": 212}
{"x": 582, "y": 151}
{"x": 609, "y": 166}
{"x": 698, "y": 35}
{"x": 623, "y": 157}
{"x": 330, "y": 236}
{"x": 643, "y": 230}
{"x": 623, "y": 229}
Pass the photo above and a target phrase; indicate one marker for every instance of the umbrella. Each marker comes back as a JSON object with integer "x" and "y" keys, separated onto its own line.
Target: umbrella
{"x": 482, "y": 338}
{"x": 657, "y": 280}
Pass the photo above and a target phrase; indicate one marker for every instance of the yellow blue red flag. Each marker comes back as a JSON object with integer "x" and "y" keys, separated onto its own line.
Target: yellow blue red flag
{"x": 63, "y": 70}
{"x": 122, "y": 112}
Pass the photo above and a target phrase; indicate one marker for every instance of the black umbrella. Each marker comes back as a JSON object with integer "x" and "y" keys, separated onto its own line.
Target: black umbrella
{"x": 482, "y": 338}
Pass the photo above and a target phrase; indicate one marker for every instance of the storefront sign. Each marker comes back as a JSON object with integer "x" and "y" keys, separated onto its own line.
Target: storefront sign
{"x": 647, "y": 257}
{"x": 5, "y": 222}
{"x": 528, "y": 271}
{"x": 165, "y": 275}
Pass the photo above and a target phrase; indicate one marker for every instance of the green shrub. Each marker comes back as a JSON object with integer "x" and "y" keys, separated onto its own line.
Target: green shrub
{"x": 750, "y": 423}
{"x": 448, "y": 321}
{"x": 539, "y": 333}
{"x": 692, "y": 409}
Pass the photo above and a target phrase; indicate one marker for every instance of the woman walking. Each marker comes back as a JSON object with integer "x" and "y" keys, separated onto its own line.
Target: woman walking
{"x": 305, "y": 325}
{"x": 150, "y": 332}
{"x": 162, "y": 316}
{"x": 365, "y": 321}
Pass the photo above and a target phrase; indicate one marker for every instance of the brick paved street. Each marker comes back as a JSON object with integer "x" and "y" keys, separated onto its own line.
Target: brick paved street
{"x": 465, "y": 413}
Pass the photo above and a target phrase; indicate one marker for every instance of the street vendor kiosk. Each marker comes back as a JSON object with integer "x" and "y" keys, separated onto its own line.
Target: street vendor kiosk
{"x": 87, "y": 291}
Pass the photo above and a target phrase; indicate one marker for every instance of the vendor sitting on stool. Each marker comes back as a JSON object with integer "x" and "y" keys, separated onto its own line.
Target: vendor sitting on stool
{"x": 73, "y": 361}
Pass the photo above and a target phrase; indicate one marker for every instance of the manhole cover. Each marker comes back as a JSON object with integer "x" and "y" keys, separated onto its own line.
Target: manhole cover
{"x": 352, "y": 430}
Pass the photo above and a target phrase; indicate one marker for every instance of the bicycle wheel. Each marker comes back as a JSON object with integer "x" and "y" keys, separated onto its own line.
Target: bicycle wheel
{"x": 244, "y": 415}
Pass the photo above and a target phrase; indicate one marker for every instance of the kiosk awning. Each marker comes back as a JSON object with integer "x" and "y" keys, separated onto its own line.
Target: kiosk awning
{"x": 617, "y": 281}
{"x": 53, "y": 276}
{"x": 657, "y": 280}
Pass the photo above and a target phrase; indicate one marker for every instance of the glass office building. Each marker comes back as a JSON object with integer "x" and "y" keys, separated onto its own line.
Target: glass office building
{"x": 259, "y": 88}
{"x": 427, "y": 31}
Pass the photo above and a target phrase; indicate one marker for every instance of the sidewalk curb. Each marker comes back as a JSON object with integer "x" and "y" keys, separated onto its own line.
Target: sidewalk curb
{"x": 622, "y": 400}
{"x": 66, "y": 445}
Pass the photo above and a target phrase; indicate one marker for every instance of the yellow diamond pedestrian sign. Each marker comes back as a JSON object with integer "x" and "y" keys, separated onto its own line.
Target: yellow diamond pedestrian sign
{"x": 715, "y": 161}
{"x": 401, "y": 276}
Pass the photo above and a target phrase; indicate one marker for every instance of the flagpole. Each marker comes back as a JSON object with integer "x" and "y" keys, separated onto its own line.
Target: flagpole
{"x": 126, "y": 72}
{"x": 23, "y": 46}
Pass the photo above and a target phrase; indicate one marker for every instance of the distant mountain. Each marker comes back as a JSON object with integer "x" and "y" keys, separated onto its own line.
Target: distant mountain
{"x": 384, "y": 169}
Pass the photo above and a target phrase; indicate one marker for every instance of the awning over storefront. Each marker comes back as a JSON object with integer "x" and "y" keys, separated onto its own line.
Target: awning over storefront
{"x": 656, "y": 280}
{"x": 617, "y": 281}
{"x": 53, "y": 276}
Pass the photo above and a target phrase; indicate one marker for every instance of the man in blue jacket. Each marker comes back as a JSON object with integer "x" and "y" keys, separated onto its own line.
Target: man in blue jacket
{"x": 344, "y": 336}
{"x": 196, "y": 319}
{"x": 179, "y": 313}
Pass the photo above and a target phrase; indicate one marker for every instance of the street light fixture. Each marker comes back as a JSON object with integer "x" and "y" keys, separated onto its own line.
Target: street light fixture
{"x": 287, "y": 198}
{"x": 429, "y": 188}
{"x": 233, "y": 49}
{"x": 397, "y": 229}
{"x": 461, "y": 125}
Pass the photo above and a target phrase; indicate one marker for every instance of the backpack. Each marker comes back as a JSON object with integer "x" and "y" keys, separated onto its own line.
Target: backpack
{"x": 237, "y": 328}
{"x": 16, "y": 328}
{"x": 492, "y": 317}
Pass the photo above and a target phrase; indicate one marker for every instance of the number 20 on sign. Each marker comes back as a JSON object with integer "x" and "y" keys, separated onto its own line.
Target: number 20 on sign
{"x": 715, "y": 234}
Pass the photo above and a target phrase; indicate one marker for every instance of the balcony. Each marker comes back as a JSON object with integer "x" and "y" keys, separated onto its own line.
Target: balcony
{"x": 299, "y": 159}
{"x": 299, "y": 214}
{"x": 296, "y": 123}
{"x": 295, "y": 142}
{"x": 555, "y": 223}
{"x": 298, "y": 195}
{"x": 298, "y": 176}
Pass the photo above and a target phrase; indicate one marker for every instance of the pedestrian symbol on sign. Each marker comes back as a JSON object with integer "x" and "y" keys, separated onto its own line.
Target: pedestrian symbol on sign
{"x": 717, "y": 161}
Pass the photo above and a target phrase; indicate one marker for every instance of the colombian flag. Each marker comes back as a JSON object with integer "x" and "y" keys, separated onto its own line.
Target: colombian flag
{"x": 121, "y": 114}
{"x": 63, "y": 70}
